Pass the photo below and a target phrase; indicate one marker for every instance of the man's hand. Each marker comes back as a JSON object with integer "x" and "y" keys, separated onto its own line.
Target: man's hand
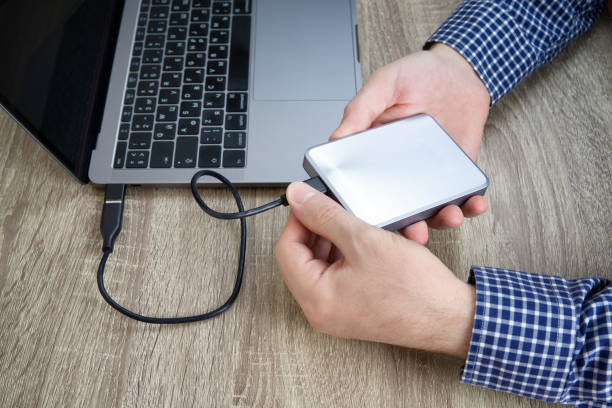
{"x": 441, "y": 83}
{"x": 378, "y": 287}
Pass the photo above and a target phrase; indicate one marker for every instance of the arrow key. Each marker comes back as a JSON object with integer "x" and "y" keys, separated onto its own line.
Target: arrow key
{"x": 161, "y": 154}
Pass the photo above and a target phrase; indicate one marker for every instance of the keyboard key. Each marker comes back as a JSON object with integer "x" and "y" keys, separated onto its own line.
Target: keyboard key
{"x": 235, "y": 121}
{"x": 238, "y": 77}
{"x": 236, "y": 102}
{"x": 129, "y": 97}
{"x": 195, "y": 59}
{"x": 150, "y": 71}
{"x": 135, "y": 64}
{"x": 156, "y": 27}
{"x": 217, "y": 51}
{"x": 212, "y": 117}
{"x": 211, "y": 135}
{"x": 147, "y": 88}
{"x": 177, "y": 34}
{"x": 234, "y": 140}
{"x": 175, "y": 48}
{"x": 219, "y": 37}
{"x": 214, "y": 100}
{"x": 180, "y": 5}
{"x": 145, "y": 105}
{"x": 164, "y": 131}
{"x": 159, "y": 12}
{"x": 216, "y": 67}
{"x": 242, "y": 6}
{"x": 191, "y": 109}
{"x": 201, "y": 3}
{"x": 173, "y": 64}
{"x": 161, "y": 155}
{"x": 161, "y": 2}
{"x": 220, "y": 22}
{"x": 192, "y": 92}
{"x": 199, "y": 15}
{"x": 142, "y": 19}
{"x": 140, "y": 33}
{"x": 215, "y": 84}
{"x": 140, "y": 140}
{"x": 233, "y": 158}
{"x": 222, "y": 7}
{"x": 179, "y": 18}
{"x": 132, "y": 80}
{"x": 189, "y": 126}
{"x": 198, "y": 29}
{"x": 210, "y": 156}
{"x": 195, "y": 75}
{"x": 126, "y": 114}
{"x": 138, "y": 159}
{"x": 124, "y": 131}
{"x": 171, "y": 80}
{"x": 196, "y": 44}
{"x": 152, "y": 57}
{"x": 137, "y": 50}
{"x": 142, "y": 122}
{"x": 120, "y": 155}
{"x": 186, "y": 151}
{"x": 167, "y": 113}
{"x": 169, "y": 96}
{"x": 154, "y": 41}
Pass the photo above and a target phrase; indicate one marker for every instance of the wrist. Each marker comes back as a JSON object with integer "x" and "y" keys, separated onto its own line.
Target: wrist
{"x": 462, "y": 65}
{"x": 452, "y": 319}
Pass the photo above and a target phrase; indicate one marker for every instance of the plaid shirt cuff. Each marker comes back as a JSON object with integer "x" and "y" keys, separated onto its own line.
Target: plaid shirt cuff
{"x": 505, "y": 41}
{"x": 542, "y": 337}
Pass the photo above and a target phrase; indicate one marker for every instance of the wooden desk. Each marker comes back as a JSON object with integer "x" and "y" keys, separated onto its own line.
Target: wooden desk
{"x": 546, "y": 150}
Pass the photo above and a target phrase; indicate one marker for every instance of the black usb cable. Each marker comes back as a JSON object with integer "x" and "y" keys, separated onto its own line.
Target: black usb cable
{"x": 112, "y": 215}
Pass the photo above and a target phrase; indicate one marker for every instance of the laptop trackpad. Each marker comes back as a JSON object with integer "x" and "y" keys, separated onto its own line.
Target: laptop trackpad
{"x": 304, "y": 50}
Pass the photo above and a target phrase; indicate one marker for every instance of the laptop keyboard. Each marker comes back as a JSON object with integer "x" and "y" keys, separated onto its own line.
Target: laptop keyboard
{"x": 185, "y": 105}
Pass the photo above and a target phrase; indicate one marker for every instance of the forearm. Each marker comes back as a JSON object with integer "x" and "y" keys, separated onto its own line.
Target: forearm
{"x": 507, "y": 40}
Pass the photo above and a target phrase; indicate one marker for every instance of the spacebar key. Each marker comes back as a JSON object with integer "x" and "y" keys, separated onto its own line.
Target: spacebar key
{"x": 238, "y": 78}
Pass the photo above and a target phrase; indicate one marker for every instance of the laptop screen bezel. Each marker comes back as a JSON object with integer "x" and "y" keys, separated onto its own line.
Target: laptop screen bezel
{"x": 87, "y": 138}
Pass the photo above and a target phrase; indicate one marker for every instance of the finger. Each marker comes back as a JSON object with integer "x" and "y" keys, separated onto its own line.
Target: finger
{"x": 323, "y": 216}
{"x": 474, "y": 206}
{"x": 334, "y": 255}
{"x": 395, "y": 113}
{"x": 321, "y": 248}
{"x": 374, "y": 98}
{"x": 417, "y": 232}
{"x": 295, "y": 259}
{"x": 448, "y": 217}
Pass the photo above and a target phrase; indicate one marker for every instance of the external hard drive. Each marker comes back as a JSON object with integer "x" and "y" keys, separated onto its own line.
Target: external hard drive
{"x": 396, "y": 174}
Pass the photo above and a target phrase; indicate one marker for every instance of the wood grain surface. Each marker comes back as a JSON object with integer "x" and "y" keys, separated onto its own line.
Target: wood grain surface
{"x": 546, "y": 150}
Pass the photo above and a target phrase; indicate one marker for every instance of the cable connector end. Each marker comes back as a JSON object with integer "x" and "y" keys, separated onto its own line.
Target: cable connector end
{"x": 314, "y": 182}
{"x": 112, "y": 215}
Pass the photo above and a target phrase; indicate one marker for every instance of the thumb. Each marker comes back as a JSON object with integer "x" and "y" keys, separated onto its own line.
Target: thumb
{"x": 323, "y": 216}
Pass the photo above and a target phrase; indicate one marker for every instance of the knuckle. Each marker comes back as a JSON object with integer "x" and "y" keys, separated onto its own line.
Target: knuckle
{"x": 366, "y": 240}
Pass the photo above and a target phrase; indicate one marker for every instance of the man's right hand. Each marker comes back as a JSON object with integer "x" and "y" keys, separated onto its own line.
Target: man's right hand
{"x": 441, "y": 83}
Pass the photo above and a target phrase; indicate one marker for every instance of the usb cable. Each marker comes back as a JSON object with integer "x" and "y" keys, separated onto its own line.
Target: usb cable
{"x": 112, "y": 215}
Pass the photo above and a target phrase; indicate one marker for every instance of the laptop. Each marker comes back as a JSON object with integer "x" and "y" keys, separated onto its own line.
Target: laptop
{"x": 150, "y": 91}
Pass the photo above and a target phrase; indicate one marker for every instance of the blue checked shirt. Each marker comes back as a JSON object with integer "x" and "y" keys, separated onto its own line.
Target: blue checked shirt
{"x": 534, "y": 335}
{"x": 505, "y": 41}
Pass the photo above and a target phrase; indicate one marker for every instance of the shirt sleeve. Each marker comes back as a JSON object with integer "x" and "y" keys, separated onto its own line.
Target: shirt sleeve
{"x": 542, "y": 337}
{"x": 505, "y": 41}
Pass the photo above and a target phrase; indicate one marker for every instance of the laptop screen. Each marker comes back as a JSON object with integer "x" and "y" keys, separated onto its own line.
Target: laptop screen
{"x": 56, "y": 58}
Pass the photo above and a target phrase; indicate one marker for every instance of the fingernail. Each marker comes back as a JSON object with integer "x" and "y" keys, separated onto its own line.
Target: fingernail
{"x": 300, "y": 192}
